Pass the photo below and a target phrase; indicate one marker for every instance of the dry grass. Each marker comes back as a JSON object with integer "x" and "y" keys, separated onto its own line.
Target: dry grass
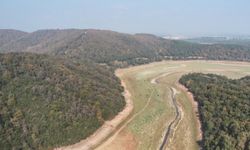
{"x": 145, "y": 130}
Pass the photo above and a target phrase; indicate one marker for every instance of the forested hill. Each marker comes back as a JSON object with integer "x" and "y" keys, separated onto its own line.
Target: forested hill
{"x": 224, "y": 109}
{"x": 119, "y": 49}
{"x": 8, "y": 35}
{"x": 245, "y": 41}
{"x": 47, "y": 102}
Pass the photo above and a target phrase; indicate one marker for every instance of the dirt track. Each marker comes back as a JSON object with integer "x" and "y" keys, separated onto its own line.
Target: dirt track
{"x": 107, "y": 128}
{"x": 125, "y": 124}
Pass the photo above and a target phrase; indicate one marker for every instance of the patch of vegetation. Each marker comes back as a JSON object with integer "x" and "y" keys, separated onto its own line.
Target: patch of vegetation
{"x": 47, "y": 102}
{"x": 224, "y": 109}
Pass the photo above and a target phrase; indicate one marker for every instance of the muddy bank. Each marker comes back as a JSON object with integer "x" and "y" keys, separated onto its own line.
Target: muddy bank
{"x": 195, "y": 109}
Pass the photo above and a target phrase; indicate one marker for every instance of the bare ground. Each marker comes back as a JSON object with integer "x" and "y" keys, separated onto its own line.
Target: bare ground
{"x": 108, "y": 144}
{"x": 195, "y": 109}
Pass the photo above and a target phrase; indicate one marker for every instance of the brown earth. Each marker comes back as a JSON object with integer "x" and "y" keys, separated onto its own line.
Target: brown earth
{"x": 195, "y": 109}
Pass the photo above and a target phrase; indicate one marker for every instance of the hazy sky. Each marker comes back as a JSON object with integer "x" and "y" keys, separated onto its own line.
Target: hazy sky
{"x": 175, "y": 17}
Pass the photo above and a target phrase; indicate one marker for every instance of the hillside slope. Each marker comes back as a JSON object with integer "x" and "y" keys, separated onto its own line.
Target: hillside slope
{"x": 47, "y": 102}
{"x": 245, "y": 41}
{"x": 8, "y": 35}
{"x": 120, "y": 49}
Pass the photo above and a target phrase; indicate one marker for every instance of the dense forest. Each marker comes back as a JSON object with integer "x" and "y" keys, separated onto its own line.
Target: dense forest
{"x": 119, "y": 49}
{"x": 224, "y": 109}
{"x": 59, "y": 85}
{"x": 47, "y": 102}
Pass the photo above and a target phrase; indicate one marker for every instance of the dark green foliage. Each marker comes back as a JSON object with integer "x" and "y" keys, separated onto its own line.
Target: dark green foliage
{"x": 224, "y": 109}
{"x": 47, "y": 102}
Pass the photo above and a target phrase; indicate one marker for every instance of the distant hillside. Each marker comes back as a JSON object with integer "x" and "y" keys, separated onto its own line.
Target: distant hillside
{"x": 244, "y": 41}
{"x": 8, "y": 35}
{"x": 224, "y": 109}
{"x": 120, "y": 49}
{"x": 47, "y": 102}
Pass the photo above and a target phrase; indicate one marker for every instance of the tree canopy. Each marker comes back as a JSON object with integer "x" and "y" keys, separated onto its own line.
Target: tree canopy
{"x": 224, "y": 110}
{"x": 47, "y": 102}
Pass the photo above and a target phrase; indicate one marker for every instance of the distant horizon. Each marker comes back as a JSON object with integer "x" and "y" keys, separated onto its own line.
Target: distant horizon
{"x": 182, "y": 36}
{"x": 159, "y": 17}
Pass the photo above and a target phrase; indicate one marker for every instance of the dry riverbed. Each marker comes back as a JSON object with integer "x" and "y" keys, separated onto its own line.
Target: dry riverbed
{"x": 150, "y": 108}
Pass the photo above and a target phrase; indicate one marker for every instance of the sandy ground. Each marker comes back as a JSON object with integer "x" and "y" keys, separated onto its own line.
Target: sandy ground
{"x": 154, "y": 80}
{"x": 125, "y": 138}
{"x": 195, "y": 109}
{"x": 106, "y": 129}
{"x": 107, "y": 145}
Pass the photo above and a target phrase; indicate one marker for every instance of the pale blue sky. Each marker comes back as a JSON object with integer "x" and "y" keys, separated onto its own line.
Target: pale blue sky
{"x": 175, "y": 17}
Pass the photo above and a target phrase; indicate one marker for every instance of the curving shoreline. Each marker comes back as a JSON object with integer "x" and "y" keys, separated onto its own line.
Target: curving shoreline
{"x": 107, "y": 142}
{"x": 107, "y": 128}
{"x": 195, "y": 110}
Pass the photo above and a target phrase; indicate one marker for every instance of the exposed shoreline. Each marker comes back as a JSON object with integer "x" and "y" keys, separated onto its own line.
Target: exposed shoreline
{"x": 107, "y": 142}
{"x": 195, "y": 110}
{"x": 107, "y": 128}
{"x": 110, "y": 129}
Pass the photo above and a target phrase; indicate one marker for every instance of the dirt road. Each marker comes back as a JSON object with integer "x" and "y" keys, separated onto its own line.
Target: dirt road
{"x": 101, "y": 147}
